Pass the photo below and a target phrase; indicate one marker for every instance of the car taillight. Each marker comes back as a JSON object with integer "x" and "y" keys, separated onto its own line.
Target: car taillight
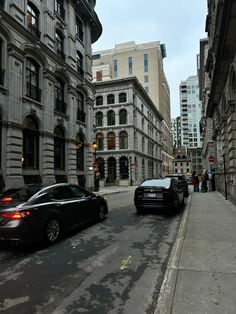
{"x": 16, "y": 215}
{"x": 7, "y": 199}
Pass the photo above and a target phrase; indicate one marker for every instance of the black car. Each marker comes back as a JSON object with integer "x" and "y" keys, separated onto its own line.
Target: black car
{"x": 164, "y": 193}
{"x": 183, "y": 181}
{"x": 48, "y": 213}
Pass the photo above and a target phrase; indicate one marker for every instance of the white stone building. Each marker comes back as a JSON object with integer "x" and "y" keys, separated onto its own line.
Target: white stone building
{"x": 128, "y": 133}
{"x": 46, "y": 92}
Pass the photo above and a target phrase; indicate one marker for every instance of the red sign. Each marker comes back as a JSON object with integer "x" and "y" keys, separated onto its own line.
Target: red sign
{"x": 211, "y": 159}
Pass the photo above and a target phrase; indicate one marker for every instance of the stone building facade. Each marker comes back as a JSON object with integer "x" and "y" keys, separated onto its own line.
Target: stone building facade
{"x": 46, "y": 92}
{"x": 220, "y": 106}
{"x": 128, "y": 133}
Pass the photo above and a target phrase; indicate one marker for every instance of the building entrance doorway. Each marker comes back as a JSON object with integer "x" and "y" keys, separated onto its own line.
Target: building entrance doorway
{"x": 111, "y": 170}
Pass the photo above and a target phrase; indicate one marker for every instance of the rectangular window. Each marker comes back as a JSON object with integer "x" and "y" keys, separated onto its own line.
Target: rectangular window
{"x": 145, "y": 62}
{"x": 146, "y": 79}
{"x": 130, "y": 64}
{"x": 80, "y": 29}
{"x": 115, "y": 65}
{"x": 146, "y": 89}
{"x": 99, "y": 76}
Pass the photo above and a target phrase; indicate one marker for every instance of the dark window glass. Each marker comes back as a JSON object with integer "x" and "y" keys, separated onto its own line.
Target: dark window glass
{"x": 124, "y": 168}
{"x": 59, "y": 96}
{"x": 59, "y": 149}
{"x": 2, "y": 71}
{"x": 30, "y": 154}
{"x": 80, "y": 112}
{"x": 100, "y": 141}
{"x": 80, "y": 29}
{"x": 99, "y": 101}
{"x": 80, "y": 153}
{"x": 123, "y": 140}
{"x": 59, "y": 8}
{"x": 111, "y": 117}
{"x": 80, "y": 65}
{"x": 59, "y": 45}
{"x": 78, "y": 192}
{"x": 122, "y": 97}
{"x": 123, "y": 116}
{"x": 111, "y": 141}
{"x": 99, "y": 119}
{"x": 32, "y": 80}
{"x": 145, "y": 57}
{"x": 101, "y": 167}
{"x": 61, "y": 193}
{"x": 110, "y": 99}
{"x": 33, "y": 19}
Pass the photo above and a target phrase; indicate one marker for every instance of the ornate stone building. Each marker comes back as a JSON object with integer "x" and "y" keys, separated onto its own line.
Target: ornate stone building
{"x": 46, "y": 92}
{"x": 128, "y": 133}
{"x": 220, "y": 113}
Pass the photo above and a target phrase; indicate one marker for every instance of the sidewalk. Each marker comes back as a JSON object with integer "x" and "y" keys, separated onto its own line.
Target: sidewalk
{"x": 106, "y": 190}
{"x": 201, "y": 273}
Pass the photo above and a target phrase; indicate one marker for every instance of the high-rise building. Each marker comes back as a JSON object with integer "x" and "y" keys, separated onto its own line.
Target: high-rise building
{"x": 145, "y": 61}
{"x": 46, "y": 95}
{"x": 176, "y": 131}
{"x": 190, "y": 113}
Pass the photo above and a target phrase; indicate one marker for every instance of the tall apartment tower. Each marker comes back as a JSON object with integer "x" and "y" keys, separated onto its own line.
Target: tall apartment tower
{"x": 176, "y": 131}
{"x": 190, "y": 113}
{"x": 145, "y": 61}
{"x": 46, "y": 92}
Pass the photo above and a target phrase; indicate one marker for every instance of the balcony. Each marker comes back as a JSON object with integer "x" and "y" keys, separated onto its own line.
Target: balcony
{"x": 33, "y": 92}
{"x": 61, "y": 54}
{"x": 60, "y": 105}
{"x": 80, "y": 70}
{"x": 34, "y": 30}
{"x": 2, "y": 76}
{"x": 81, "y": 116}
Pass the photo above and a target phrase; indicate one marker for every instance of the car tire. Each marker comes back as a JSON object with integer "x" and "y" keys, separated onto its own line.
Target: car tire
{"x": 102, "y": 212}
{"x": 139, "y": 211}
{"x": 53, "y": 230}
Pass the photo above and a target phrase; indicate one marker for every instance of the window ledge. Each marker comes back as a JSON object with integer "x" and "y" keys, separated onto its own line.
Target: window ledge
{"x": 31, "y": 100}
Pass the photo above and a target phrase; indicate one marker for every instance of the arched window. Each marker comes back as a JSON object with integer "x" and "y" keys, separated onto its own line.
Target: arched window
{"x": 59, "y": 8}
{"x": 80, "y": 110}
{"x": 123, "y": 140}
{"x": 80, "y": 62}
{"x": 99, "y": 101}
{"x": 123, "y": 116}
{"x": 124, "y": 167}
{"x": 80, "y": 152}
{"x": 111, "y": 117}
{"x": 33, "y": 19}
{"x": 59, "y": 149}
{"x": 111, "y": 141}
{"x": 122, "y": 97}
{"x": 100, "y": 141}
{"x": 30, "y": 154}
{"x": 59, "y": 45}
{"x": 32, "y": 80}
{"x": 2, "y": 71}
{"x": 99, "y": 119}
{"x": 110, "y": 99}
{"x": 59, "y": 96}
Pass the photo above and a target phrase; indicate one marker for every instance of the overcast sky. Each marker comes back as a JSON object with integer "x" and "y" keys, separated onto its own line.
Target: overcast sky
{"x": 178, "y": 24}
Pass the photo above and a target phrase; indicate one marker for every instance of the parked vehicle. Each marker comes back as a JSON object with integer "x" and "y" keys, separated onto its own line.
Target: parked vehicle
{"x": 164, "y": 193}
{"x": 183, "y": 181}
{"x": 48, "y": 213}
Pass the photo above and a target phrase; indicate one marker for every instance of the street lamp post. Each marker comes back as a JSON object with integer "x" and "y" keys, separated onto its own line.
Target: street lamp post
{"x": 130, "y": 165}
{"x": 95, "y": 169}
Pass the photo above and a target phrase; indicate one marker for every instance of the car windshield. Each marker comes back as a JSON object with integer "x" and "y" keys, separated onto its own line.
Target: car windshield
{"x": 157, "y": 182}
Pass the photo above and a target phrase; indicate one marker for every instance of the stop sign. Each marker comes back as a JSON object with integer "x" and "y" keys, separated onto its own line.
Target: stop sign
{"x": 211, "y": 159}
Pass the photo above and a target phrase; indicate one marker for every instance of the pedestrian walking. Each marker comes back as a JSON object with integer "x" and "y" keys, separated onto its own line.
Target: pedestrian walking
{"x": 195, "y": 181}
{"x": 204, "y": 187}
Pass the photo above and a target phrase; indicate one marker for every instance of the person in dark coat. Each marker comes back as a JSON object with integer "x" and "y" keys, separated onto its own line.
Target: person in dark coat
{"x": 195, "y": 181}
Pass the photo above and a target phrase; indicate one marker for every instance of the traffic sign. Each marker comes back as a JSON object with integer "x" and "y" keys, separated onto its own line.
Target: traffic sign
{"x": 211, "y": 159}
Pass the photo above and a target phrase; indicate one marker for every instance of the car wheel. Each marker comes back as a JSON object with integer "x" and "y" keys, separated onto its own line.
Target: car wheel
{"x": 102, "y": 212}
{"x": 53, "y": 230}
{"x": 139, "y": 211}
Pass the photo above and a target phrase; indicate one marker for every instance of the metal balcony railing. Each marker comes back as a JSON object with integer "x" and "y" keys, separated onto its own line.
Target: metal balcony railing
{"x": 34, "y": 30}
{"x": 60, "y": 105}
{"x": 33, "y": 92}
{"x": 81, "y": 116}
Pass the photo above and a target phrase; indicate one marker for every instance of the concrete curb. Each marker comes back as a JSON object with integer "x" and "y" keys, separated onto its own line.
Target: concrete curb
{"x": 166, "y": 295}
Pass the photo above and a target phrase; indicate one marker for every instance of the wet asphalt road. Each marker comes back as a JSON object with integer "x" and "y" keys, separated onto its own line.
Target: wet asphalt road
{"x": 115, "y": 266}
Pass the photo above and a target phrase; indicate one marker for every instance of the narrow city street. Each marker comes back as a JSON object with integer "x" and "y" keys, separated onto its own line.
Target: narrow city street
{"x": 116, "y": 266}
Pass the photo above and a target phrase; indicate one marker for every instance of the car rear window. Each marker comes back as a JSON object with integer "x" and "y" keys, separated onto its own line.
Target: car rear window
{"x": 157, "y": 182}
